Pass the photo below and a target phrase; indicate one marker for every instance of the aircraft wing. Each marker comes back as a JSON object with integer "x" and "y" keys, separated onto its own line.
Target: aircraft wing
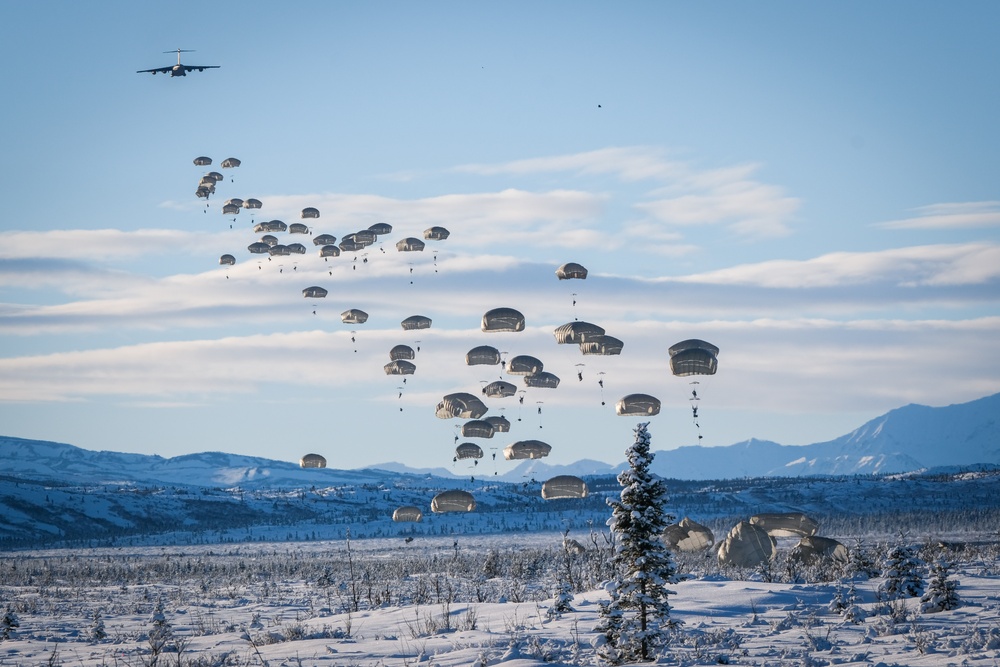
{"x": 155, "y": 70}
{"x": 191, "y": 68}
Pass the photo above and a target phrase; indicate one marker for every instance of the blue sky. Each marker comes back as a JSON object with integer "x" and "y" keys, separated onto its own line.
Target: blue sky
{"x": 812, "y": 188}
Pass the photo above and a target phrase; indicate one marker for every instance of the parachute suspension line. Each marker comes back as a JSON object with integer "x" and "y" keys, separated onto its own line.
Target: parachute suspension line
{"x": 579, "y": 371}
{"x": 694, "y": 409}
{"x": 520, "y": 403}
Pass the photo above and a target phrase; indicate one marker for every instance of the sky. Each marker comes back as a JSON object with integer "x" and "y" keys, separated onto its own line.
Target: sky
{"x": 811, "y": 188}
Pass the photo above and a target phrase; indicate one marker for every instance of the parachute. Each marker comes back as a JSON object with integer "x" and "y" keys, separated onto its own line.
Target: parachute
{"x": 499, "y": 389}
{"x": 214, "y": 176}
{"x": 235, "y": 201}
{"x": 329, "y": 251}
{"x": 526, "y": 449}
{"x": 270, "y": 226}
{"x": 693, "y": 357}
{"x": 252, "y": 203}
{"x": 503, "y": 319}
{"x": 298, "y": 228}
{"x": 571, "y": 270}
{"x": 477, "y": 428}
{"x": 812, "y": 550}
{"x": 259, "y": 248}
{"x": 227, "y": 260}
{"x": 499, "y": 423}
{"x": 309, "y": 212}
{"x": 484, "y": 355}
{"x": 543, "y": 379}
{"x": 296, "y": 248}
{"x": 400, "y": 367}
{"x": 461, "y": 405}
{"x": 688, "y": 536}
{"x": 312, "y": 461}
{"x": 402, "y": 352}
{"x": 637, "y": 405}
{"x": 314, "y": 292}
{"x": 324, "y": 239}
{"x": 564, "y": 486}
{"x": 524, "y": 364}
{"x": 746, "y": 545}
{"x": 230, "y": 209}
{"x": 453, "y": 501}
{"x": 436, "y": 234}
{"x": 604, "y": 345}
{"x": 786, "y": 524}
{"x": 410, "y": 244}
{"x": 230, "y": 162}
{"x": 354, "y": 316}
{"x": 380, "y": 229}
{"x": 468, "y": 450}
{"x": 202, "y": 161}
{"x": 407, "y": 513}
{"x": 269, "y": 240}
{"x": 416, "y": 322}
{"x": 278, "y": 250}
{"x": 577, "y": 332}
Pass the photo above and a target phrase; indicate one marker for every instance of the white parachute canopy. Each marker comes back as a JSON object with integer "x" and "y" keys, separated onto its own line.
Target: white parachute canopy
{"x": 407, "y": 513}
{"x": 786, "y": 524}
{"x": 453, "y": 501}
{"x": 564, "y": 486}
{"x": 688, "y": 536}
{"x": 812, "y": 550}
{"x": 746, "y": 545}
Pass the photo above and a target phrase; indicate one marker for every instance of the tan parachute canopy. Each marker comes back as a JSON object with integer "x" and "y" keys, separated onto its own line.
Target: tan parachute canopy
{"x": 400, "y": 367}
{"x": 259, "y": 248}
{"x": 354, "y": 316}
{"x": 524, "y": 364}
{"x": 407, "y": 513}
{"x": 230, "y": 162}
{"x": 484, "y": 355}
{"x": 309, "y": 212}
{"x": 314, "y": 292}
{"x": 230, "y": 209}
{"x": 453, "y": 501}
{"x": 636, "y": 405}
{"x": 312, "y": 461}
{"x": 577, "y": 332}
{"x": 477, "y": 428}
{"x": 436, "y": 234}
{"x": 564, "y": 486}
{"x": 786, "y": 524}
{"x": 468, "y": 450}
{"x": 416, "y": 322}
{"x": 746, "y": 545}
{"x": 410, "y": 244}
{"x": 235, "y": 201}
{"x": 544, "y": 380}
{"x": 269, "y": 240}
{"x": 571, "y": 270}
{"x": 688, "y": 536}
{"x": 813, "y": 550}
{"x": 279, "y": 250}
{"x": 252, "y": 203}
{"x": 329, "y": 251}
{"x": 202, "y": 161}
{"x": 228, "y": 260}
{"x": 503, "y": 319}
{"x": 693, "y": 357}
{"x": 380, "y": 228}
{"x": 526, "y": 449}
{"x": 460, "y": 405}
{"x": 298, "y": 228}
{"x": 604, "y": 345}
{"x": 499, "y": 389}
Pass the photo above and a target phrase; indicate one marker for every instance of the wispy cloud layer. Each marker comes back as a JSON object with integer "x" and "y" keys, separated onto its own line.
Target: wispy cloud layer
{"x": 961, "y": 215}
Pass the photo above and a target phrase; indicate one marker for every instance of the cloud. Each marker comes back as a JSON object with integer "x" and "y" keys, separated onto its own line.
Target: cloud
{"x": 967, "y": 215}
{"x": 916, "y": 266}
{"x": 93, "y": 245}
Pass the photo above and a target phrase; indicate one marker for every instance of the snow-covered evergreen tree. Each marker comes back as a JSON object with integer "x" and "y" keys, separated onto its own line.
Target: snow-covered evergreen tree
{"x": 902, "y": 572}
{"x": 160, "y": 632}
{"x": 8, "y": 623}
{"x": 633, "y": 620}
{"x": 97, "y": 631}
{"x": 942, "y": 593}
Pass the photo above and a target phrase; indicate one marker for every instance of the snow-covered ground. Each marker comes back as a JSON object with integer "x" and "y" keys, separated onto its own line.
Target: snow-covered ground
{"x": 464, "y": 601}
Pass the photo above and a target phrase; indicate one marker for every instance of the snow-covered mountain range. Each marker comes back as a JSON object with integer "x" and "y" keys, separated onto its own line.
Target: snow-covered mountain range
{"x": 910, "y": 438}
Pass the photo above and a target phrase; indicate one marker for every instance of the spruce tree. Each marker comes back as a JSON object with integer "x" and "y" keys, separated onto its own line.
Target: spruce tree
{"x": 634, "y": 619}
{"x": 8, "y": 623}
{"x": 942, "y": 593}
{"x": 902, "y": 573}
